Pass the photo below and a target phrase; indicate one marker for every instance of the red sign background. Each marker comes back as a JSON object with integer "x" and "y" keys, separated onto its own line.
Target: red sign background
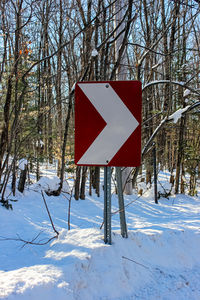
{"x": 89, "y": 123}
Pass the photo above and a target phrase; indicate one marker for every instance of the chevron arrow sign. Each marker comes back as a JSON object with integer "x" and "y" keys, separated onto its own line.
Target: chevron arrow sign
{"x": 108, "y": 123}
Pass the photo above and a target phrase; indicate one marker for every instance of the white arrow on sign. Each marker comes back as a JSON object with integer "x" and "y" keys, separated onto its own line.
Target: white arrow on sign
{"x": 120, "y": 123}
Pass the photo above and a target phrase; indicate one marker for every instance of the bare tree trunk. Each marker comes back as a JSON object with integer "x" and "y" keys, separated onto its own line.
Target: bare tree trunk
{"x": 182, "y": 180}
{"x": 77, "y": 183}
{"x": 67, "y": 122}
{"x": 97, "y": 180}
{"x": 91, "y": 180}
{"x": 22, "y": 179}
{"x": 4, "y": 133}
{"x": 16, "y": 110}
{"x": 50, "y": 117}
{"x": 192, "y": 190}
{"x": 5, "y": 38}
{"x": 83, "y": 182}
{"x": 180, "y": 151}
{"x": 121, "y": 74}
{"x": 58, "y": 90}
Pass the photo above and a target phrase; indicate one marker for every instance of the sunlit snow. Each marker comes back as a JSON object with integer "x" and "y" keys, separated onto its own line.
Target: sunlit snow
{"x": 159, "y": 260}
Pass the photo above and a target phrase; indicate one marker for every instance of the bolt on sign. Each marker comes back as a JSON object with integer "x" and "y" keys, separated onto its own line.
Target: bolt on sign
{"x": 108, "y": 123}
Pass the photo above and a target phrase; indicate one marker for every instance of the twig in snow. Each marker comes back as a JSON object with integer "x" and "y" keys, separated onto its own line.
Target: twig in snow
{"x": 32, "y": 242}
{"x": 69, "y": 207}
{"x": 136, "y": 262}
{"x": 49, "y": 214}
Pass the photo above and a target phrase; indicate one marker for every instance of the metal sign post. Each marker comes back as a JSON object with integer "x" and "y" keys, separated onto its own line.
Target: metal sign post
{"x": 107, "y": 205}
{"x": 122, "y": 216}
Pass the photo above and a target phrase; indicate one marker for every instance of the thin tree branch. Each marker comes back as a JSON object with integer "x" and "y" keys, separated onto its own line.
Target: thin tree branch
{"x": 182, "y": 84}
{"x": 49, "y": 214}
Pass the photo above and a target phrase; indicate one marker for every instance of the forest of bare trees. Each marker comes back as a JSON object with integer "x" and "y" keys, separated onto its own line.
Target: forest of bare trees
{"x": 46, "y": 46}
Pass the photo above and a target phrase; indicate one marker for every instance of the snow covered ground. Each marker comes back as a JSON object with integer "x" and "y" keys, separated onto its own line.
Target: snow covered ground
{"x": 159, "y": 260}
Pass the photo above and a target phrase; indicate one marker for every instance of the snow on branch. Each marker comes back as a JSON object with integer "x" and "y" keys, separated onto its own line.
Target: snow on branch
{"x": 173, "y": 117}
{"x": 94, "y": 53}
{"x": 186, "y": 93}
{"x": 180, "y": 83}
{"x": 178, "y": 114}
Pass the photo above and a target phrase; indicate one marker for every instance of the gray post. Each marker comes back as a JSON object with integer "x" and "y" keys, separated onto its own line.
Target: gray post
{"x": 107, "y": 205}
{"x": 121, "y": 203}
{"x": 155, "y": 174}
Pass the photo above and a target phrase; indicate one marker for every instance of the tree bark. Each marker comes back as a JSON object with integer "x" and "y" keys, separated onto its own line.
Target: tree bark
{"x": 83, "y": 182}
{"x": 22, "y": 179}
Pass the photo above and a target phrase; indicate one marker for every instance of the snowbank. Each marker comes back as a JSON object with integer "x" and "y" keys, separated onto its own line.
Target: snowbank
{"x": 159, "y": 260}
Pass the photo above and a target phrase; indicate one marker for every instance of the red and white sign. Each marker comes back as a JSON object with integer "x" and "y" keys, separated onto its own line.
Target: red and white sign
{"x": 108, "y": 123}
